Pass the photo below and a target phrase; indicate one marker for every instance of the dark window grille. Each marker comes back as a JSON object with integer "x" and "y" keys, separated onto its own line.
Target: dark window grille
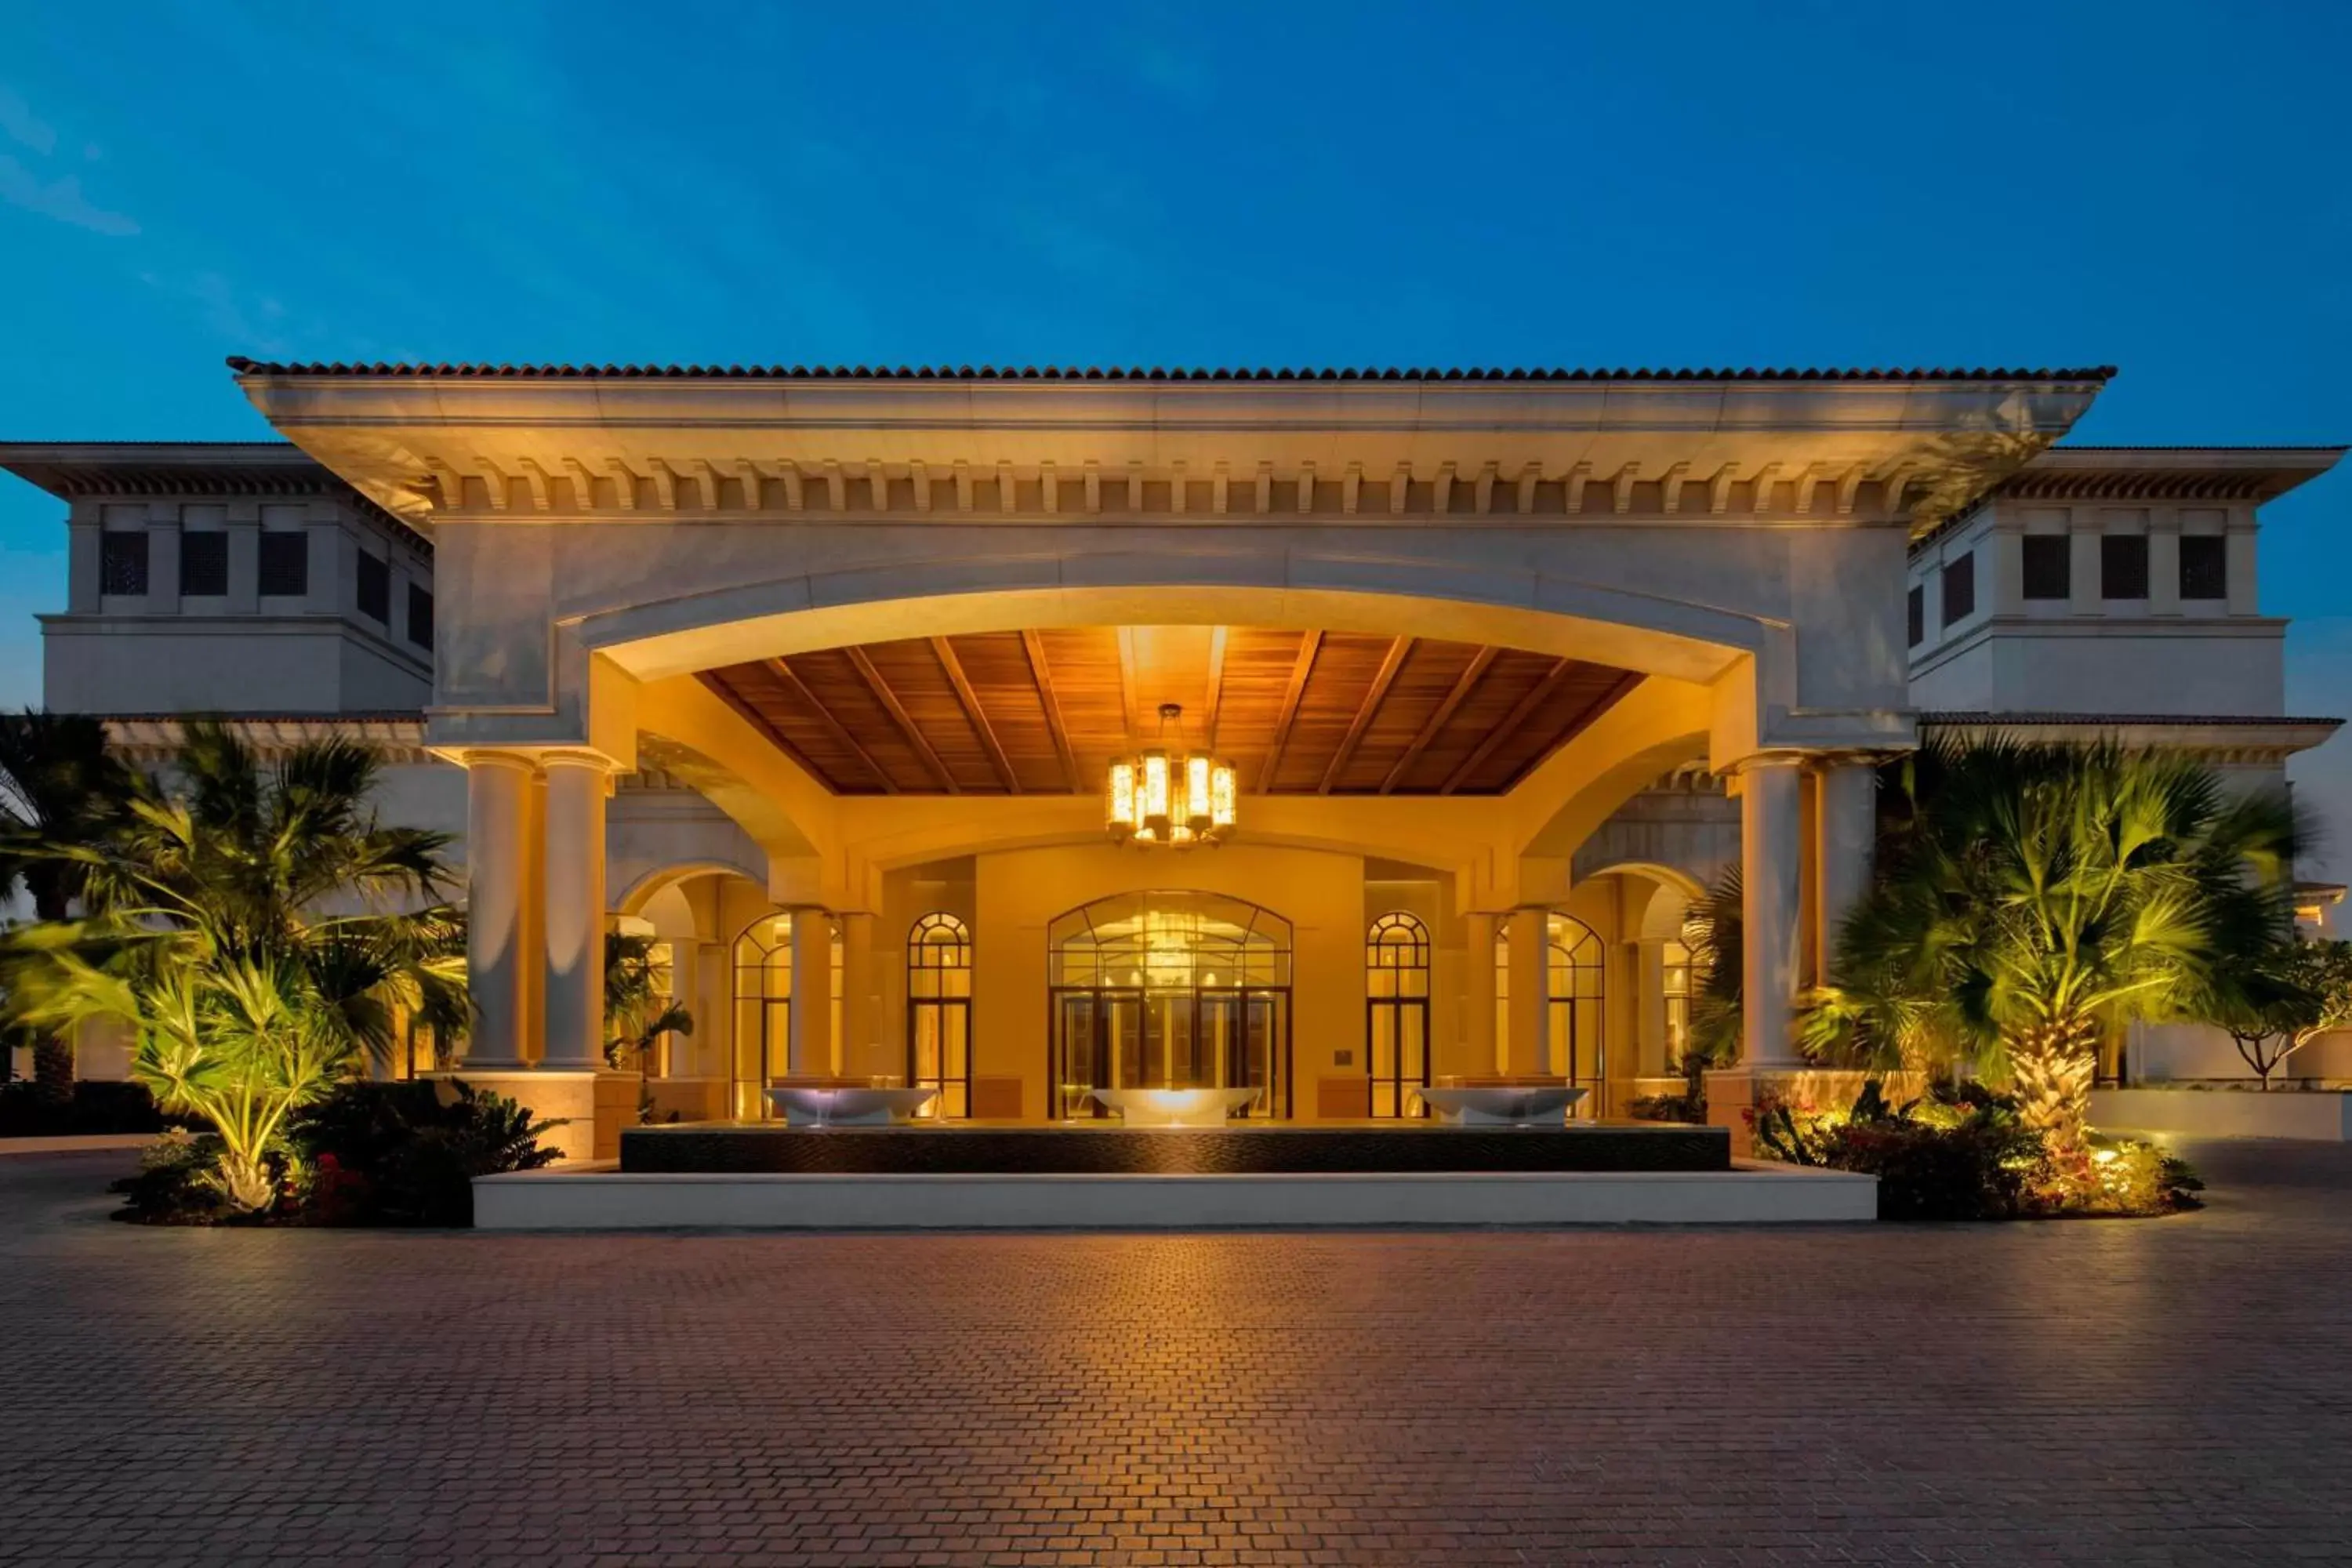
{"x": 2049, "y": 567}
{"x": 122, "y": 563}
{"x": 1915, "y": 616}
{"x": 420, "y": 616}
{"x": 1960, "y": 588}
{"x": 2123, "y": 566}
{"x": 203, "y": 565}
{"x": 285, "y": 564}
{"x": 2204, "y": 566}
{"x": 374, "y": 588}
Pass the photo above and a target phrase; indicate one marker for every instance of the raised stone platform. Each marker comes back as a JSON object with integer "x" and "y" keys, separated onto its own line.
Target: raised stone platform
{"x": 1749, "y": 1194}
{"x": 1082, "y": 1149}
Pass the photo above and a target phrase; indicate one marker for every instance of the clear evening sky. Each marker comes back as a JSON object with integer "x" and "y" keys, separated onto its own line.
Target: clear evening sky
{"x": 2160, "y": 186}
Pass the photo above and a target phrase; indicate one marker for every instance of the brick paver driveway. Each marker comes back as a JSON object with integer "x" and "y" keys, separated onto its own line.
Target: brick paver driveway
{"x": 2172, "y": 1392}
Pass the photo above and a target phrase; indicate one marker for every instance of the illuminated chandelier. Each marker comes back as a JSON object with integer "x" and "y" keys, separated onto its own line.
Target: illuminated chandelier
{"x": 1176, "y": 798}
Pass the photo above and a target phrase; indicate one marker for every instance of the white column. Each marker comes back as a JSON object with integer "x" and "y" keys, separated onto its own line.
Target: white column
{"x": 812, "y": 1014}
{"x": 576, "y": 911}
{"x": 1650, "y": 1020}
{"x": 497, "y": 968}
{"x": 861, "y": 1053}
{"x": 685, "y": 990}
{"x": 1847, "y": 834}
{"x": 1771, "y": 852}
{"x": 1480, "y": 1054}
{"x": 1530, "y": 1013}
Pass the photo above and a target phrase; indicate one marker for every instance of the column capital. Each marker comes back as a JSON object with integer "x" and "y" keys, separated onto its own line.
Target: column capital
{"x": 494, "y": 757}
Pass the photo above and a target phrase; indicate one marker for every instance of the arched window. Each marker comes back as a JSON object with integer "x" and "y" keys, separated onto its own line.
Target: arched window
{"x": 1574, "y": 988}
{"x": 763, "y": 1010}
{"x": 1574, "y": 977}
{"x": 939, "y": 1012}
{"x": 1396, "y": 1033}
{"x": 1169, "y": 990}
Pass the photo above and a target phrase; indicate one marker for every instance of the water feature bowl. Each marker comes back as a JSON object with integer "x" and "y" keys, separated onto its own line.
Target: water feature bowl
{"x": 1504, "y": 1105}
{"x": 1174, "y": 1107}
{"x": 805, "y": 1106}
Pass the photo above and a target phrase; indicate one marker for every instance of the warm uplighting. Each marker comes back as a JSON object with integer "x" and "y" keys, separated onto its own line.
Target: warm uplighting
{"x": 1178, "y": 798}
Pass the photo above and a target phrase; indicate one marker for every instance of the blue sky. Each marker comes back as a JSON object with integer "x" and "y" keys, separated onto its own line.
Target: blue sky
{"x": 2155, "y": 185}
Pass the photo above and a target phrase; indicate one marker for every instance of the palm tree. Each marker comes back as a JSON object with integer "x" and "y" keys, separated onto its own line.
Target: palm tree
{"x": 58, "y": 786}
{"x": 257, "y": 929}
{"x": 637, "y": 1010}
{"x": 2031, "y": 898}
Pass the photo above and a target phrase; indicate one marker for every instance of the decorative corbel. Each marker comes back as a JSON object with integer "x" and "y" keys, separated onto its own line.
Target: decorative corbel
{"x": 1670, "y": 487}
{"x": 1571, "y": 491}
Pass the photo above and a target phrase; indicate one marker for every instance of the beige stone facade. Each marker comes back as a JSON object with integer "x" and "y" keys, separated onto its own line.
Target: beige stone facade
{"x": 779, "y": 667}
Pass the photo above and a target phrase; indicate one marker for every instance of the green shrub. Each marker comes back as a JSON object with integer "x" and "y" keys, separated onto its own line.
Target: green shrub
{"x": 177, "y": 1181}
{"x": 1668, "y": 1108}
{"x": 407, "y": 1154}
{"x": 1963, "y": 1153}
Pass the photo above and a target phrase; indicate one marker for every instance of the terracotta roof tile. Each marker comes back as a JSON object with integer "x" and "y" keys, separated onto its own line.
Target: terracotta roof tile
{"x": 244, "y": 366}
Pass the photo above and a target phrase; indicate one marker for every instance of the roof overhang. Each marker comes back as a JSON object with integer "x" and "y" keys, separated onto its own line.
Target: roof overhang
{"x": 422, "y": 439}
{"x": 2216, "y": 738}
{"x": 73, "y": 470}
{"x": 2255, "y": 474}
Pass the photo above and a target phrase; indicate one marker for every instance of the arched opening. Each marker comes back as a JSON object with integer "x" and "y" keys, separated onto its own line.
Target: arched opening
{"x": 1396, "y": 1024}
{"x": 1575, "y": 1003}
{"x": 939, "y": 1013}
{"x": 764, "y": 999}
{"x": 1169, "y": 990}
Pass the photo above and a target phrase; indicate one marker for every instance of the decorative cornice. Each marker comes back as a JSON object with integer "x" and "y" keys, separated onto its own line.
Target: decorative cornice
{"x": 151, "y": 738}
{"x": 508, "y": 445}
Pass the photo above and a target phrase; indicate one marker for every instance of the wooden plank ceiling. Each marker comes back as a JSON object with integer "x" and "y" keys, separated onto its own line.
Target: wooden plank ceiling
{"x": 1044, "y": 712}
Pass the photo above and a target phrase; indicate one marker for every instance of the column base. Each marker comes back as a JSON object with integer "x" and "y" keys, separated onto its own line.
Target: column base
{"x": 593, "y": 1104}
{"x": 1733, "y": 1094}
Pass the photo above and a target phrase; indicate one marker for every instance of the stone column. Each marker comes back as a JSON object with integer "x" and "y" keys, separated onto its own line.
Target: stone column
{"x": 1479, "y": 1055}
{"x": 862, "y": 1054}
{"x": 1846, "y": 835}
{"x": 685, "y": 990}
{"x": 1530, "y": 1013}
{"x": 574, "y": 918}
{"x": 1650, "y": 1018}
{"x": 1770, "y": 845}
{"x": 812, "y": 1014}
{"x": 499, "y": 970}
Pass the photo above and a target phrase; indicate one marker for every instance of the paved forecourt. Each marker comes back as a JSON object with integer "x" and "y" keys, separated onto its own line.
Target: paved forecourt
{"x": 2090, "y": 1392}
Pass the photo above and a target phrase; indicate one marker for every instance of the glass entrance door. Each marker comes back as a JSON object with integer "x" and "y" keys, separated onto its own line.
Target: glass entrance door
{"x": 1169, "y": 1039}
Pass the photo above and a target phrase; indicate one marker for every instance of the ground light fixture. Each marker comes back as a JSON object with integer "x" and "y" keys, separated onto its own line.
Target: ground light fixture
{"x": 1169, "y": 796}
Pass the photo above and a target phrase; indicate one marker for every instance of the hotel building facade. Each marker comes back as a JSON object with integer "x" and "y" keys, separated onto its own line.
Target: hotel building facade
{"x": 832, "y": 682}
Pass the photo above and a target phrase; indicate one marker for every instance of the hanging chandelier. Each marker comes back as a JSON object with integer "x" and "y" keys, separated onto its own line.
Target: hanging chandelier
{"x": 1177, "y": 798}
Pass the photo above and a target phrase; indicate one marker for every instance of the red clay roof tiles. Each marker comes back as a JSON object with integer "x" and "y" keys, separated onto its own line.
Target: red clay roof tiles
{"x": 244, "y": 366}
